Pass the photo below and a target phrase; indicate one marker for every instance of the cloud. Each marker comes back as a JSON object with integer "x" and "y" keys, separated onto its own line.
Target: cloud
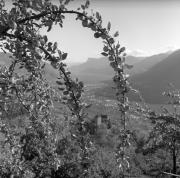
{"x": 138, "y": 53}
{"x": 170, "y": 49}
{"x": 142, "y": 53}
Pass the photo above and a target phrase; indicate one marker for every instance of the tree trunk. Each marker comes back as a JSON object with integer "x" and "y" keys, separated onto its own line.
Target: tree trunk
{"x": 174, "y": 161}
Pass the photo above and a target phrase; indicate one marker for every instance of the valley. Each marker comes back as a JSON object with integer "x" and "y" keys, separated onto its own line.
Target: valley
{"x": 99, "y": 92}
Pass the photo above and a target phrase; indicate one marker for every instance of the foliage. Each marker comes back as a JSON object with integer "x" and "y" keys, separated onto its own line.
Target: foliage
{"x": 32, "y": 150}
{"x": 161, "y": 147}
{"x": 67, "y": 142}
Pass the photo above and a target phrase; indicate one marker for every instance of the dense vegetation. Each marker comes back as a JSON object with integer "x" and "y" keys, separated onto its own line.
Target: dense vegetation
{"x": 48, "y": 131}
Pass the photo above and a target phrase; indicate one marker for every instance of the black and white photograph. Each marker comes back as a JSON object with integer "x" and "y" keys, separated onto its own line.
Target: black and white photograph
{"x": 89, "y": 88}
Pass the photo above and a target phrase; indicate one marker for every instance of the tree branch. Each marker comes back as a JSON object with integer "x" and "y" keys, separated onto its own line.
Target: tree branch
{"x": 167, "y": 173}
{"x": 4, "y": 29}
{"x": 51, "y": 57}
{"x": 43, "y": 14}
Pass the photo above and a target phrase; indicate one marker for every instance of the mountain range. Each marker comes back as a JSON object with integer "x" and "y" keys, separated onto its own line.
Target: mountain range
{"x": 150, "y": 75}
{"x": 96, "y": 70}
{"x": 157, "y": 79}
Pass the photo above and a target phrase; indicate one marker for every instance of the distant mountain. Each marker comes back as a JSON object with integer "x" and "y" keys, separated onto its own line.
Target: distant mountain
{"x": 96, "y": 70}
{"x": 156, "y": 80}
{"x": 147, "y": 63}
{"x": 152, "y": 82}
{"x": 151, "y": 75}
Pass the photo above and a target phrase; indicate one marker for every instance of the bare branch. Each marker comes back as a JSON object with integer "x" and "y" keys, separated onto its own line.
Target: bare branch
{"x": 171, "y": 174}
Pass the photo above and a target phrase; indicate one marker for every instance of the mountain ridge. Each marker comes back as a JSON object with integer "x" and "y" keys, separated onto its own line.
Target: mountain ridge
{"x": 151, "y": 83}
{"x": 96, "y": 70}
{"x": 151, "y": 75}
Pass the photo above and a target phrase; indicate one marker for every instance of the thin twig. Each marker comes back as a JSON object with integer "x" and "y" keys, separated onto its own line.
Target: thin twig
{"x": 171, "y": 174}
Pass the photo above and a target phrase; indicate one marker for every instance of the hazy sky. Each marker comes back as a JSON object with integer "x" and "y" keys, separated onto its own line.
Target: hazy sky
{"x": 145, "y": 26}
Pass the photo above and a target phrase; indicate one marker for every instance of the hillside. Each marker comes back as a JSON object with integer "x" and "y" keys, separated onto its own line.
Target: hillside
{"x": 148, "y": 63}
{"x": 96, "y": 70}
{"x": 50, "y": 73}
{"x": 152, "y": 82}
{"x": 150, "y": 75}
{"x": 156, "y": 80}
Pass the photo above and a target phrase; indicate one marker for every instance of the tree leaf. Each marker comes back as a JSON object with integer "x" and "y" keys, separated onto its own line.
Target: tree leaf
{"x": 111, "y": 40}
{"x": 87, "y": 4}
{"x": 59, "y": 83}
{"x": 111, "y": 58}
{"x": 97, "y": 35}
{"x": 64, "y": 56}
{"x": 61, "y": 89}
{"x": 104, "y": 54}
{"x": 49, "y": 28}
{"x": 67, "y": 2}
{"x": 83, "y": 7}
{"x": 113, "y": 65}
{"x": 85, "y": 23}
{"x": 105, "y": 48}
{"x": 65, "y": 92}
{"x": 55, "y": 46}
{"x": 97, "y": 15}
{"x": 122, "y": 49}
{"x": 45, "y": 38}
{"x": 116, "y": 34}
{"x": 109, "y": 26}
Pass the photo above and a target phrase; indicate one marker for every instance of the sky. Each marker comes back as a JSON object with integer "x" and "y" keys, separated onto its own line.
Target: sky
{"x": 146, "y": 27}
